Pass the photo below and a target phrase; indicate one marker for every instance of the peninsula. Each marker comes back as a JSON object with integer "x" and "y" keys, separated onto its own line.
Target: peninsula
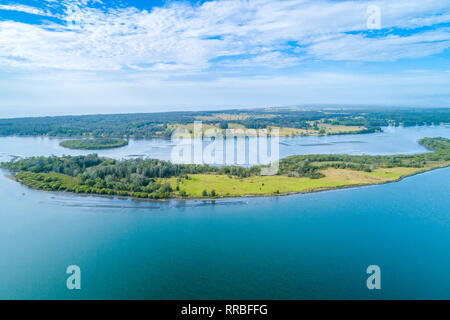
{"x": 156, "y": 179}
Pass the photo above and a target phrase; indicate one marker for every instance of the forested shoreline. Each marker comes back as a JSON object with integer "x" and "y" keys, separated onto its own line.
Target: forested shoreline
{"x": 161, "y": 125}
{"x": 158, "y": 179}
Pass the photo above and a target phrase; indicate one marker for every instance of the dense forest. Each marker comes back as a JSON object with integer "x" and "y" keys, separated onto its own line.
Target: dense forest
{"x": 153, "y": 125}
{"x": 146, "y": 178}
{"x": 93, "y": 174}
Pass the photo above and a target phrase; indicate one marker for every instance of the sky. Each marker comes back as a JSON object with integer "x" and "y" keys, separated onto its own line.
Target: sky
{"x": 119, "y": 56}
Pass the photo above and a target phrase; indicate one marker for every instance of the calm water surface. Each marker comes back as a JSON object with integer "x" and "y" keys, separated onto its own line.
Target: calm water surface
{"x": 303, "y": 246}
{"x": 393, "y": 140}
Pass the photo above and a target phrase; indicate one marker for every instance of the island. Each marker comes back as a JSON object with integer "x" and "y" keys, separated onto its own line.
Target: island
{"x": 157, "y": 179}
{"x": 94, "y": 144}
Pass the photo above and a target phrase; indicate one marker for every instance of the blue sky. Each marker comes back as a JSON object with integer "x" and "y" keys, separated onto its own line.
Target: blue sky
{"x": 110, "y": 56}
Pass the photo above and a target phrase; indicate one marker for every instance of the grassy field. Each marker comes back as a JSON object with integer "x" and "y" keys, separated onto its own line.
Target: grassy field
{"x": 225, "y": 186}
{"x": 322, "y": 129}
{"x": 339, "y": 129}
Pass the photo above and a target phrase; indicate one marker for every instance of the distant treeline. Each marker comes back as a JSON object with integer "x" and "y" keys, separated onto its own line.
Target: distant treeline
{"x": 153, "y": 125}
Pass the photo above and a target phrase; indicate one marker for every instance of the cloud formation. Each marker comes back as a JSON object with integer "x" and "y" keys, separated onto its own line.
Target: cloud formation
{"x": 85, "y": 56}
{"x": 189, "y": 38}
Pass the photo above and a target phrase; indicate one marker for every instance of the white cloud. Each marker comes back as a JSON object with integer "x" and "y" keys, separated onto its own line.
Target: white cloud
{"x": 219, "y": 53}
{"x": 389, "y": 48}
{"x": 26, "y": 9}
{"x": 190, "y": 38}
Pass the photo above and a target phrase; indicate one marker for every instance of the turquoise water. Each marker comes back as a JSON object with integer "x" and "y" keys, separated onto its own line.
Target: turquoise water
{"x": 313, "y": 246}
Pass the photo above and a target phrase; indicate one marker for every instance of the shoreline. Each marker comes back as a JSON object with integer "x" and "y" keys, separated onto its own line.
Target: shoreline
{"x": 344, "y": 172}
{"x": 224, "y": 198}
{"x": 364, "y": 131}
{"x": 168, "y": 138}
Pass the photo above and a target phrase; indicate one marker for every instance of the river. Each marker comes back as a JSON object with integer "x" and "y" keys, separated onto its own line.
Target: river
{"x": 310, "y": 246}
